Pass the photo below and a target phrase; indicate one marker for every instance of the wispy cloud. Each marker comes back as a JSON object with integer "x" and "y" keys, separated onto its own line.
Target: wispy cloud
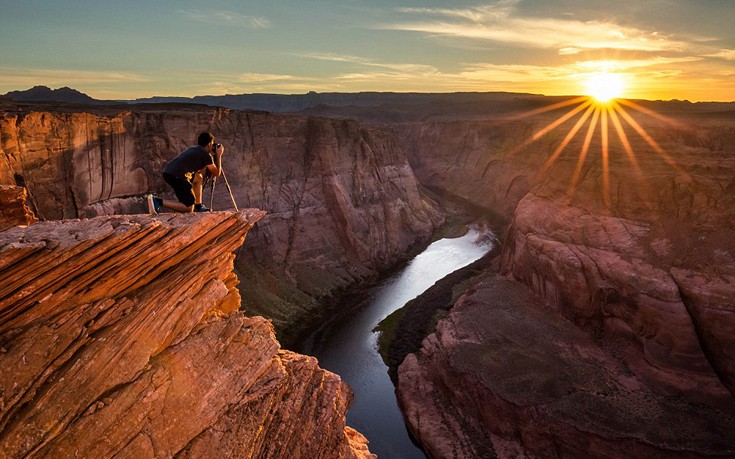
{"x": 624, "y": 65}
{"x": 500, "y": 23}
{"x": 227, "y": 18}
{"x": 362, "y": 61}
{"x": 289, "y": 84}
{"x": 727, "y": 54}
{"x": 498, "y": 11}
{"x": 261, "y": 77}
{"x": 23, "y": 77}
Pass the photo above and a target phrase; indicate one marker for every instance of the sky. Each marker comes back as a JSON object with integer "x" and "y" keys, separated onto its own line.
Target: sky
{"x": 660, "y": 49}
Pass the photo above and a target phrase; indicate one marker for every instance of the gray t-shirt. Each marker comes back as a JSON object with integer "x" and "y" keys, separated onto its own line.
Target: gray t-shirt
{"x": 188, "y": 162}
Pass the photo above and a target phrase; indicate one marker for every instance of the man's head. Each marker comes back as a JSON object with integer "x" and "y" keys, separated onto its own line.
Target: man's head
{"x": 205, "y": 138}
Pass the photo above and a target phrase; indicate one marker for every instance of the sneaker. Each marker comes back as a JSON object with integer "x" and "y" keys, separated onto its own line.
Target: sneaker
{"x": 201, "y": 208}
{"x": 153, "y": 204}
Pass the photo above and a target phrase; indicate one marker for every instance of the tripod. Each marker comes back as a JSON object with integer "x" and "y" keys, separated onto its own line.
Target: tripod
{"x": 227, "y": 184}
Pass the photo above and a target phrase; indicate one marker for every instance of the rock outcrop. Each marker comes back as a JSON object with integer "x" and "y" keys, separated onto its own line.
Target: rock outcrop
{"x": 503, "y": 376}
{"x": 121, "y": 336}
{"x": 13, "y": 208}
{"x": 620, "y": 277}
{"x": 351, "y": 182}
{"x": 636, "y": 248}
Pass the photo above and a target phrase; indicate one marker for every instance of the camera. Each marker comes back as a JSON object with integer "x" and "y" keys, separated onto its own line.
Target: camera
{"x": 216, "y": 146}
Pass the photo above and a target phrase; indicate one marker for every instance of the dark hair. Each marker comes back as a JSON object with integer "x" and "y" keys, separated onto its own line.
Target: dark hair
{"x": 205, "y": 138}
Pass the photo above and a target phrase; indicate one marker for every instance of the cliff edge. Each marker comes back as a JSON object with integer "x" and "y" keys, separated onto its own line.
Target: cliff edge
{"x": 352, "y": 182}
{"x": 121, "y": 336}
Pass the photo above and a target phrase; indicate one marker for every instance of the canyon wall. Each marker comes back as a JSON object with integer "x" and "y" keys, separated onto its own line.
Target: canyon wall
{"x": 635, "y": 248}
{"x": 121, "y": 336}
{"x": 504, "y": 376}
{"x": 342, "y": 202}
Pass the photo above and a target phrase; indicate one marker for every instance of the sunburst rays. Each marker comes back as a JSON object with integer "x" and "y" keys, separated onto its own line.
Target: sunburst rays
{"x": 599, "y": 117}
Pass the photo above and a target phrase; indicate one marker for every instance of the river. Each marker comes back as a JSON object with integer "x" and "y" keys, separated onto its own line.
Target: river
{"x": 349, "y": 347}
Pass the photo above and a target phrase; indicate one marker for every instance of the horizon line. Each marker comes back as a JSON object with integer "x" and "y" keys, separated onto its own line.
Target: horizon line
{"x": 352, "y": 92}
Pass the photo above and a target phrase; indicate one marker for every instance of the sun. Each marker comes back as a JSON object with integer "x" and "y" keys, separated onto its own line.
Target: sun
{"x": 604, "y": 86}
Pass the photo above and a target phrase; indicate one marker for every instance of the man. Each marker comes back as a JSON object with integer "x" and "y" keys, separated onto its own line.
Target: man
{"x": 185, "y": 174}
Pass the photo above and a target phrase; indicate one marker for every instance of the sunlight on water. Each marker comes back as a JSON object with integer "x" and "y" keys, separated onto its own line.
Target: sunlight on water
{"x": 439, "y": 259}
{"x": 349, "y": 348}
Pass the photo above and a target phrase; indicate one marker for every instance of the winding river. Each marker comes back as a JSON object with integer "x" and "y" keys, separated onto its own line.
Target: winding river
{"x": 348, "y": 347}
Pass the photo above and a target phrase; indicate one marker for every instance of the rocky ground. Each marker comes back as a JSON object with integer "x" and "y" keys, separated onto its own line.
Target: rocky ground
{"x": 122, "y": 336}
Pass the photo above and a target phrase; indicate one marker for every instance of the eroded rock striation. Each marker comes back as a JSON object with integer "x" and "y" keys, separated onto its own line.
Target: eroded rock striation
{"x": 122, "y": 336}
{"x": 350, "y": 181}
{"x": 13, "y": 208}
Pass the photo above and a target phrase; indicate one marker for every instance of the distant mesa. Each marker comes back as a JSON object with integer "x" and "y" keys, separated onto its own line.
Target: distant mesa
{"x": 46, "y": 94}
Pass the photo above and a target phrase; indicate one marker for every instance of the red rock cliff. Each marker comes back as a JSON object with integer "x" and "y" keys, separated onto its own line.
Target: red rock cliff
{"x": 351, "y": 182}
{"x": 121, "y": 336}
{"x": 644, "y": 265}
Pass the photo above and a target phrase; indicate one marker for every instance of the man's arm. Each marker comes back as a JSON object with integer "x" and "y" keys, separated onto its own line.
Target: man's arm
{"x": 216, "y": 169}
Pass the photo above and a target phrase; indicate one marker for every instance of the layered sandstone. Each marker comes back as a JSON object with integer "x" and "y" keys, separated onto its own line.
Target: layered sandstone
{"x": 620, "y": 277}
{"x": 636, "y": 249}
{"x": 14, "y": 210}
{"x": 121, "y": 336}
{"x": 351, "y": 182}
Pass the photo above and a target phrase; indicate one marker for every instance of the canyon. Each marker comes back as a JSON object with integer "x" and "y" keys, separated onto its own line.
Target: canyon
{"x": 350, "y": 181}
{"x": 603, "y": 328}
{"x": 640, "y": 259}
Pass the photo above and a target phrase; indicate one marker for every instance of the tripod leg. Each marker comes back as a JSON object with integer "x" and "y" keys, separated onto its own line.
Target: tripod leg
{"x": 227, "y": 184}
{"x": 211, "y": 196}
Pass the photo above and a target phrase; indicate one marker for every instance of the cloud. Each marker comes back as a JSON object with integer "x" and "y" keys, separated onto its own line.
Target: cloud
{"x": 727, "y": 54}
{"x": 361, "y": 61}
{"x": 500, "y": 10}
{"x": 22, "y": 77}
{"x": 513, "y": 73}
{"x": 499, "y": 23}
{"x": 287, "y": 84}
{"x": 623, "y": 65}
{"x": 228, "y": 18}
{"x": 331, "y": 57}
{"x": 261, "y": 77}
{"x": 472, "y": 78}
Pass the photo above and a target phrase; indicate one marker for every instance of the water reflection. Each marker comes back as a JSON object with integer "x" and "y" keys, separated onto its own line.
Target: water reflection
{"x": 349, "y": 347}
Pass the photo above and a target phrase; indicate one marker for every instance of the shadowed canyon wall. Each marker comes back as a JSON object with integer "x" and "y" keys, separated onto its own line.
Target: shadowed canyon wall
{"x": 641, "y": 258}
{"x": 351, "y": 182}
{"x": 122, "y": 337}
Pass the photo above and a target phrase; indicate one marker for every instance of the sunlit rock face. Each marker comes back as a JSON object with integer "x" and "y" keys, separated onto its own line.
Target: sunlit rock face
{"x": 636, "y": 250}
{"x": 121, "y": 336}
{"x": 342, "y": 201}
{"x": 13, "y": 208}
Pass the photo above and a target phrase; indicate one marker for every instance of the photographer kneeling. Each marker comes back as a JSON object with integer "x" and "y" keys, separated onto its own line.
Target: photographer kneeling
{"x": 185, "y": 174}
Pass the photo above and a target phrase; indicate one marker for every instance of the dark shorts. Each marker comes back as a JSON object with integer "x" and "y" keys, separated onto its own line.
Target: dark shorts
{"x": 182, "y": 188}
